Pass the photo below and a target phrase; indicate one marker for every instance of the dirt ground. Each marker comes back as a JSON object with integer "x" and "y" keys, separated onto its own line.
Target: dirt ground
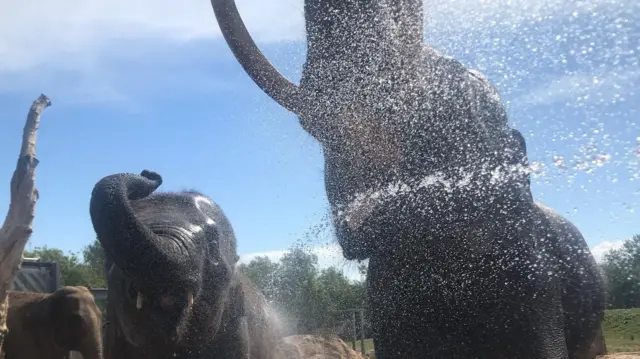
{"x": 315, "y": 347}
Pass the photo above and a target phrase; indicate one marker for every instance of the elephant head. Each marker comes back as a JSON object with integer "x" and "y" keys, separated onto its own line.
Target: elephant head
{"x": 411, "y": 138}
{"x": 78, "y": 320}
{"x": 173, "y": 258}
{"x": 45, "y": 325}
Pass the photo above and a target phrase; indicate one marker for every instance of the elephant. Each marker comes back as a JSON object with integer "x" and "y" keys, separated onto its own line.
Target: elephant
{"x": 50, "y": 325}
{"x": 427, "y": 180}
{"x": 599, "y": 346}
{"x": 174, "y": 291}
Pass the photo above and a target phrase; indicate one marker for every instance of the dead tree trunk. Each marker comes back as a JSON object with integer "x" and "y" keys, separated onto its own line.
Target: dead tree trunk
{"x": 17, "y": 226}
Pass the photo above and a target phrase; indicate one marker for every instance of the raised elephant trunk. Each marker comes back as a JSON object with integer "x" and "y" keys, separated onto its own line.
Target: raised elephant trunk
{"x": 363, "y": 26}
{"x": 126, "y": 240}
{"x": 349, "y": 42}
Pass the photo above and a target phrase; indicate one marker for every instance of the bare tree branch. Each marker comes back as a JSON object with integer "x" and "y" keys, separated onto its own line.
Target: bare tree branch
{"x": 18, "y": 224}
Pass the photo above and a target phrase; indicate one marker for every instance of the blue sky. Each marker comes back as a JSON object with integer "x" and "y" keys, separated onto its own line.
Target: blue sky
{"x": 136, "y": 86}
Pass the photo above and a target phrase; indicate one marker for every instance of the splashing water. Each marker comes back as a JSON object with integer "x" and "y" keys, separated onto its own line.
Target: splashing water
{"x": 363, "y": 203}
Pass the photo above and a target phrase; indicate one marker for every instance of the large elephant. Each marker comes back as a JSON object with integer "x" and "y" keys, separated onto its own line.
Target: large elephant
{"x": 48, "y": 326}
{"x": 174, "y": 290}
{"x": 427, "y": 180}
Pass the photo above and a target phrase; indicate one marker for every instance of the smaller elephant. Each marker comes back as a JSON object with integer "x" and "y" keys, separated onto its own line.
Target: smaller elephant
{"x": 50, "y": 325}
{"x": 171, "y": 267}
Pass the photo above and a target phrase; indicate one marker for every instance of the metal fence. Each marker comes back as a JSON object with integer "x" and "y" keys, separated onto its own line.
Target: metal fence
{"x": 354, "y": 327}
{"x": 37, "y": 276}
{"x": 99, "y": 294}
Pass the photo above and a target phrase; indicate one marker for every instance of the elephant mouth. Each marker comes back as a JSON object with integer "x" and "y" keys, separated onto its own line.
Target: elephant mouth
{"x": 154, "y": 320}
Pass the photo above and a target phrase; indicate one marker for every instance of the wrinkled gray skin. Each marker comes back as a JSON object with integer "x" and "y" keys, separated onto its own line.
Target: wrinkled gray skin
{"x": 49, "y": 325}
{"x": 174, "y": 291}
{"x": 463, "y": 262}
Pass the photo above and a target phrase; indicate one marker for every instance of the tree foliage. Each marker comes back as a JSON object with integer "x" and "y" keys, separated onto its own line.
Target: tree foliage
{"x": 262, "y": 272}
{"x": 621, "y": 268}
{"x": 73, "y": 271}
{"x": 93, "y": 256}
{"x": 313, "y": 298}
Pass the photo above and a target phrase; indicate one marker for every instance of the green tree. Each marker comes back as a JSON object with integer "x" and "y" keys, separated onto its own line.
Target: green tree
{"x": 621, "y": 268}
{"x": 72, "y": 271}
{"x": 339, "y": 292}
{"x": 314, "y": 299}
{"x": 262, "y": 272}
{"x": 298, "y": 290}
{"x": 93, "y": 256}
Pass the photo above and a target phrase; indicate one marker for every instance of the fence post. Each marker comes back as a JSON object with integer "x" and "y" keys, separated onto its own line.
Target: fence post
{"x": 56, "y": 281}
{"x": 362, "y": 331}
{"x": 355, "y": 331}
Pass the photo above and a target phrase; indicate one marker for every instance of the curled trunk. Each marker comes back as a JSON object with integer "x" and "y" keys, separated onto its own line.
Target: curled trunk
{"x": 126, "y": 240}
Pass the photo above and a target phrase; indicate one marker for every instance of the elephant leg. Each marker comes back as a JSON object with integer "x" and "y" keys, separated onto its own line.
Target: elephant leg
{"x": 517, "y": 316}
{"x": 486, "y": 341}
{"x": 234, "y": 343}
{"x": 108, "y": 338}
{"x": 240, "y": 346}
{"x": 585, "y": 346}
{"x": 520, "y": 326}
{"x": 583, "y": 325}
{"x": 114, "y": 344}
{"x": 598, "y": 347}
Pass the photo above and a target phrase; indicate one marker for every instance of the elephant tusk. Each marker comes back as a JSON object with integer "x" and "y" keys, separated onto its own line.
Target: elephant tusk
{"x": 189, "y": 300}
{"x": 139, "y": 301}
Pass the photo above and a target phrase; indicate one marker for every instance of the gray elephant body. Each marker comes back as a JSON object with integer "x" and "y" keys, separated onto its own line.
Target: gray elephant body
{"x": 479, "y": 295}
{"x": 426, "y": 179}
{"x": 48, "y": 326}
{"x": 174, "y": 290}
{"x": 463, "y": 262}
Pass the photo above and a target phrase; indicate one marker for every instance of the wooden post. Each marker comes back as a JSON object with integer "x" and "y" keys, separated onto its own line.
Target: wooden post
{"x": 17, "y": 227}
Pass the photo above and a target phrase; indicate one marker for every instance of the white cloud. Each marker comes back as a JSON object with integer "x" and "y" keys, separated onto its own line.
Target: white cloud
{"x": 68, "y": 48}
{"x": 37, "y": 32}
{"x": 603, "y": 247}
{"x": 603, "y": 88}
